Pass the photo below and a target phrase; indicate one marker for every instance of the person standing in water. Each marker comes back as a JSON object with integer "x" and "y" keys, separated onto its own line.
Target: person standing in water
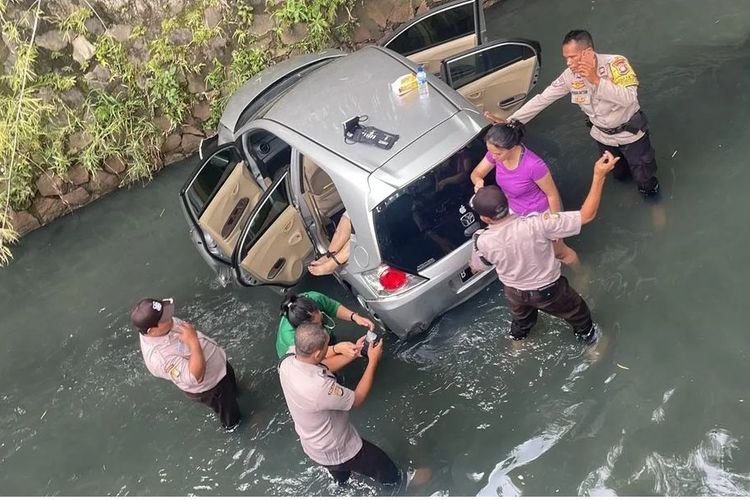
{"x": 524, "y": 178}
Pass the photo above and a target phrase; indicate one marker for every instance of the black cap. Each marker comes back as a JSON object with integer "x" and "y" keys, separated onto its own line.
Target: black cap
{"x": 490, "y": 202}
{"x": 148, "y": 313}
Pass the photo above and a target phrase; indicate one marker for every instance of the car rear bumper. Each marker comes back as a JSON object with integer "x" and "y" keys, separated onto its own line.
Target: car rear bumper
{"x": 414, "y": 311}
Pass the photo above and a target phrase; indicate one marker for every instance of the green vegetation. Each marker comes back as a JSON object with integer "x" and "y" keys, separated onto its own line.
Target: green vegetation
{"x": 117, "y": 117}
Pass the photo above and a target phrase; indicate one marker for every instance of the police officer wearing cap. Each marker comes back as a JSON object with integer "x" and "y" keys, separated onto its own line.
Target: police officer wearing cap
{"x": 521, "y": 251}
{"x": 606, "y": 89}
{"x": 174, "y": 350}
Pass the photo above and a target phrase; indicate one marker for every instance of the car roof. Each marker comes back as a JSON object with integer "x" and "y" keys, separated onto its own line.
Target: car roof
{"x": 267, "y": 78}
{"x": 359, "y": 84}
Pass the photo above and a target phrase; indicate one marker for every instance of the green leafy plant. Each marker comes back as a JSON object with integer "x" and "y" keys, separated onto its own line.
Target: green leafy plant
{"x": 320, "y": 16}
{"x": 75, "y": 23}
{"x": 36, "y": 124}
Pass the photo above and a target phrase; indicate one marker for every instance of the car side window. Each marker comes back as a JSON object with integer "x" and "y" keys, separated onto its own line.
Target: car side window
{"x": 210, "y": 178}
{"x": 465, "y": 69}
{"x": 266, "y": 214}
{"x": 435, "y": 29}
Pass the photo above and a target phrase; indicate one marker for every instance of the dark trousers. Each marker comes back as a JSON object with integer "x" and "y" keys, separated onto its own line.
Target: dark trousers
{"x": 222, "y": 398}
{"x": 637, "y": 159}
{"x": 370, "y": 461}
{"x": 558, "y": 299}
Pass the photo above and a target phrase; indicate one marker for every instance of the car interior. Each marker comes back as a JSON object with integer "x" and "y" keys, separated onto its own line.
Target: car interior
{"x": 495, "y": 77}
{"x": 322, "y": 197}
{"x": 437, "y": 36}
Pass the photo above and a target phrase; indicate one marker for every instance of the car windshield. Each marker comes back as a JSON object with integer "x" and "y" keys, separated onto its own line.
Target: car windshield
{"x": 426, "y": 220}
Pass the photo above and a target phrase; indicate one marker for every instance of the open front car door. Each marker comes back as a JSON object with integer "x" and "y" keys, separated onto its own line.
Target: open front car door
{"x": 439, "y": 33}
{"x": 273, "y": 246}
{"x": 495, "y": 77}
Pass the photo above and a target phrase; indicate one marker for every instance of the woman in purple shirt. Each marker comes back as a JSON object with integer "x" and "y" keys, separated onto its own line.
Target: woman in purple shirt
{"x": 523, "y": 177}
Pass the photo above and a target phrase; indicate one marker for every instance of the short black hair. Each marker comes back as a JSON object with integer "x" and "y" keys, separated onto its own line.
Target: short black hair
{"x": 308, "y": 338}
{"x": 581, "y": 37}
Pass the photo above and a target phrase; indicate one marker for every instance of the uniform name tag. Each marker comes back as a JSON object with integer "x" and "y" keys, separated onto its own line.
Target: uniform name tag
{"x": 580, "y": 97}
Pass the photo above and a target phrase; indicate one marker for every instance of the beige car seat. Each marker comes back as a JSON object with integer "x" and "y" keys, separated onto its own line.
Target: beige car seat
{"x": 322, "y": 188}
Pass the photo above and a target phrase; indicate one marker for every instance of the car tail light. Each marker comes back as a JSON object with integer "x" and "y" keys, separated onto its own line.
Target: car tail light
{"x": 387, "y": 281}
{"x": 392, "y": 279}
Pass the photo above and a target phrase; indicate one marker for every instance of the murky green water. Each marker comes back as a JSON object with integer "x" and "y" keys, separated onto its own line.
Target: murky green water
{"x": 665, "y": 410}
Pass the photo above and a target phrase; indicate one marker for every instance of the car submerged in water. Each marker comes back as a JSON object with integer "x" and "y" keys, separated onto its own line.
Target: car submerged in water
{"x": 264, "y": 202}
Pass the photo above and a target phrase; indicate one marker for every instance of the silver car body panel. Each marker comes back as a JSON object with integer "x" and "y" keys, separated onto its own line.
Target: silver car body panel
{"x": 359, "y": 85}
{"x": 431, "y": 129}
{"x": 245, "y": 95}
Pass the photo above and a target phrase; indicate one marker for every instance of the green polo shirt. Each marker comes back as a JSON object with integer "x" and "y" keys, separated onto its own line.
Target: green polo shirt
{"x": 285, "y": 334}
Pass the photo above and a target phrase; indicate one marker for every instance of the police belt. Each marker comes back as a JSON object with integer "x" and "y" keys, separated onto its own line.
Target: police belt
{"x": 635, "y": 124}
{"x": 545, "y": 292}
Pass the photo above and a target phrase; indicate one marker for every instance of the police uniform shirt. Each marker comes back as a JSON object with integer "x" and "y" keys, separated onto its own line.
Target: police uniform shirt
{"x": 608, "y": 105}
{"x": 521, "y": 250}
{"x": 320, "y": 409}
{"x": 168, "y": 357}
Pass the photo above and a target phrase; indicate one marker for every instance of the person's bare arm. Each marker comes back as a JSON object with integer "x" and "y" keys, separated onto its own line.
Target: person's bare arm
{"x": 547, "y": 184}
{"x": 337, "y": 362}
{"x": 374, "y": 353}
{"x": 480, "y": 172}
{"x": 197, "y": 363}
{"x": 591, "y": 204}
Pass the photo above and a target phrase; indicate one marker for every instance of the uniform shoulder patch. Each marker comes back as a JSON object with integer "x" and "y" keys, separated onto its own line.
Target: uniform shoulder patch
{"x": 622, "y": 72}
{"x": 174, "y": 372}
{"x": 336, "y": 390}
{"x": 550, "y": 216}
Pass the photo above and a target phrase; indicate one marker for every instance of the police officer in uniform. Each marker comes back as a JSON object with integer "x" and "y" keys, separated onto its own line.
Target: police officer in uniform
{"x": 521, "y": 251}
{"x": 606, "y": 89}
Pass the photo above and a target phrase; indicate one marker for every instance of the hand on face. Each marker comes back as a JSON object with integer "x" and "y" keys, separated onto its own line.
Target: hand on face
{"x": 605, "y": 164}
{"x": 586, "y": 66}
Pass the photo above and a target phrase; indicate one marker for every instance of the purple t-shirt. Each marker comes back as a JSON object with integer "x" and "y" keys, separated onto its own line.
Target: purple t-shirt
{"x": 519, "y": 184}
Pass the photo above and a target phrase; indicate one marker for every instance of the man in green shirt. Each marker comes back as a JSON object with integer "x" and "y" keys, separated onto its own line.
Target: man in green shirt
{"x": 315, "y": 307}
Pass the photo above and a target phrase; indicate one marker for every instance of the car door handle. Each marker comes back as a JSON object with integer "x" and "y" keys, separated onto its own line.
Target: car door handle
{"x": 510, "y": 101}
{"x": 475, "y": 95}
{"x": 276, "y": 269}
{"x": 288, "y": 227}
{"x": 234, "y": 217}
{"x": 295, "y": 238}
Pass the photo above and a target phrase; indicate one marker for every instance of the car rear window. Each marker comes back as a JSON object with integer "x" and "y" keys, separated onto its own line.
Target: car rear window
{"x": 425, "y": 221}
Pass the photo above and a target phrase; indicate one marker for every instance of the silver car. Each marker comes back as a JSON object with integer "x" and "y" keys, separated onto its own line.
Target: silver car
{"x": 266, "y": 198}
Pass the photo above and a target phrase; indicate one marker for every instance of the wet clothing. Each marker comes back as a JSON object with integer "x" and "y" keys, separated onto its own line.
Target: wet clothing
{"x": 370, "y": 461}
{"x": 168, "y": 357}
{"x": 638, "y": 160}
{"x": 285, "y": 333}
{"x": 558, "y": 299}
{"x": 520, "y": 249}
{"x": 320, "y": 406}
{"x": 519, "y": 184}
{"x": 222, "y": 399}
{"x": 320, "y": 409}
{"x": 611, "y": 107}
